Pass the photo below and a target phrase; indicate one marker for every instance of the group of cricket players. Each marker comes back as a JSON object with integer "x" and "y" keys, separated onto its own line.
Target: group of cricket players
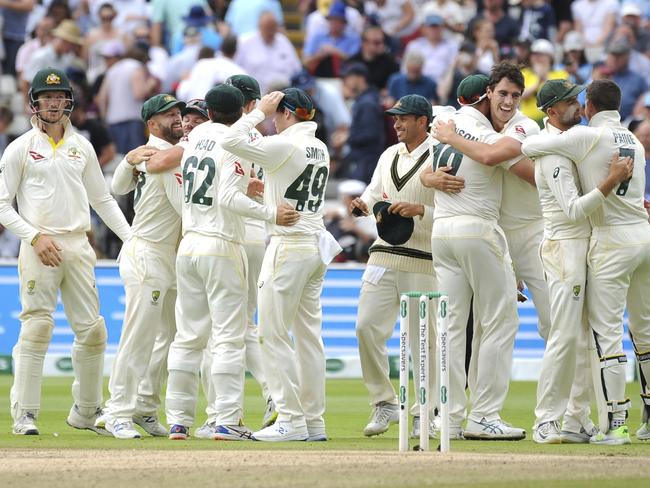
{"x": 229, "y": 223}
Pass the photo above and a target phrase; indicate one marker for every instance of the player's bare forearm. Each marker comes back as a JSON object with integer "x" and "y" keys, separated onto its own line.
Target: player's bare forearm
{"x": 140, "y": 154}
{"x": 524, "y": 169}
{"x": 441, "y": 180}
{"x": 406, "y": 209}
{"x": 161, "y": 161}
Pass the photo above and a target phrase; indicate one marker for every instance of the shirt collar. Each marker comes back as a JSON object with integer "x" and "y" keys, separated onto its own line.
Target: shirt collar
{"x": 606, "y": 117}
{"x": 418, "y": 151}
{"x": 306, "y": 128}
{"x": 66, "y": 130}
{"x": 550, "y": 128}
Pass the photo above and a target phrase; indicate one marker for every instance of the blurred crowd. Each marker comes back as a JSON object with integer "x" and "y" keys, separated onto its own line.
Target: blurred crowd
{"x": 356, "y": 58}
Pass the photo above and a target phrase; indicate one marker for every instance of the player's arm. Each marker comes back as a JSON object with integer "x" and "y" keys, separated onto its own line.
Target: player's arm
{"x": 100, "y": 199}
{"x": 524, "y": 168}
{"x": 360, "y": 206}
{"x": 574, "y": 144}
{"x": 165, "y": 160}
{"x": 441, "y": 180}
{"x": 124, "y": 178}
{"x": 173, "y": 185}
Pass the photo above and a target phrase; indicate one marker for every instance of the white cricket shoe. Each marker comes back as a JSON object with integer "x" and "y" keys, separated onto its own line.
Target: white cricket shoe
{"x": 547, "y": 433}
{"x": 270, "y": 414}
{"x": 151, "y": 425}
{"x": 643, "y": 434}
{"x": 316, "y": 430}
{"x": 26, "y": 424}
{"x": 434, "y": 427}
{"x": 282, "y": 431}
{"x": 206, "y": 431}
{"x": 383, "y": 415}
{"x": 121, "y": 428}
{"x": 492, "y": 430}
{"x": 581, "y": 437}
{"x": 237, "y": 432}
{"x": 79, "y": 421}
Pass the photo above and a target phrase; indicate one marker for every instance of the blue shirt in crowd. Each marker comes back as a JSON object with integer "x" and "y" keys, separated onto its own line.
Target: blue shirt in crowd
{"x": 399, "y": 85}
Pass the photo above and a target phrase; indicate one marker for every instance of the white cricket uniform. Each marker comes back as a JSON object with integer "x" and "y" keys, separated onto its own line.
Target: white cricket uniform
{"x": 471, "y": 258}
{"x": 212, "y": 278}
{"x": 392, "y": 270}
{"x": 563, "y": 387}
{"x": 147, "y": 268}
{"x": 53, "y": 184}
{"x": 296, "y": 169}
{"x": 618, "y": 259}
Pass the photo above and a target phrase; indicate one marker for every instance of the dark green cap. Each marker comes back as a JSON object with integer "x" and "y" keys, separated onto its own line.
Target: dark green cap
{"x": 392, "y": 227}
{"x": 554, "y": 91}
{"x": 412, "y": 105}
{"x": 224, "y": 98}
{"x": 248, "y": 85}
{"x": 50, "y": 79}
{"x": 298, "y": 103}
{"x": 158, "y": 104}
{"x": 472, "y": 89}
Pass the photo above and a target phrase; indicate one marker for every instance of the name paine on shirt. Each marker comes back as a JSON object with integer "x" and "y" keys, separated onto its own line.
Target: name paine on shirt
{"x": 623, "y": 138}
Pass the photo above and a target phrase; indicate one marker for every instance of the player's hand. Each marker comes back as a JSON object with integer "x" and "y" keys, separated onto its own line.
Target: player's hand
{"x": 520, "y": 292}
{"x": 406, "y": 209}
{"x": 269, "y": 103}
{"x": 286, "y": 215}
{"x": 443, "y": 131}
{"x": 48, "y": 251}
{"x": 358, "y": 208}
{"x": 440, "y": 179}
{"x": 255, "y": 188}
{"x": 140, "y": 154}
{"x": 621, "y": 168}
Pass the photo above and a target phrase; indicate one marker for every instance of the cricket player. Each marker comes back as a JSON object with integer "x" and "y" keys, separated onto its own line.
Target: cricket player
{"x": 296, "y": 170}
{"x": 194, "y": 113}
{"x": 147, "y": 268}
{"x": 395, "y": 269}
{"x": 54, "y": 174}
{"x": 471, "y": 258}
{"x": 618, "y": 259}
{"x": 212, "y": 273}
{"x": 565, "y": 367}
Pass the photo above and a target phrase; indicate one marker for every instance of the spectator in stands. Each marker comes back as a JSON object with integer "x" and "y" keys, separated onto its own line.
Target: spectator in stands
{"x": 373, "y": 53}
{"x": 542, "y": 54}
{"x": 631, "y": 83}
{"x": 9, "y": 244}
{"x": 59, "y": 11}
{"x": 243, "y": 16}
{"x": 397, "y": 19}
{"x": 180, "y": 64}
{"x": 210, "y": 71}
{"x": 205, "y": 24}
{"x": 642, "y": 132}
{"x": 631, "y": 16}
{"x": 506, "y": 29}
{"x": 267, "y": 54}
{"x": 487, "y": 48}
{"x": 464, "y": 65}
{"x": 595, "y": 20}
{"x": 413, "y": 82}
{"x": 575, "y": 62}
{"x": 365, "y": 141}
{"x": 167, "y": 18}
{"x": 158, "y": 55}
{"x": 325, "y": 54}
{"x": 14, "y": 25}
{"x": 639, "y": 62}
{"x": 6, "y": 118}
{"x": 451, "y": 11}
{"x": 438, "y": 53}
{"x": 42, "y": 36}
{"x": 94, "y": 131}
{"x": 537, "y": 20}
{"x": 129, "y": 13}
{"x": 316, "y": 22}
{"x": 97, "y": 37}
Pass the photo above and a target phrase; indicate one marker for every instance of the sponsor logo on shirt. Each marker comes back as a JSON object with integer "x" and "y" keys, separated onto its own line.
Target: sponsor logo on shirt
{"x": 35, "y": 156}
{"x": 179, "y": 178}
{"x": 556, "y": 172}
{"x": 520, "y": 130}
{"x": 384, "y": 196}
{"x": 238, "y": 169}
{"x": 2, "y": 168}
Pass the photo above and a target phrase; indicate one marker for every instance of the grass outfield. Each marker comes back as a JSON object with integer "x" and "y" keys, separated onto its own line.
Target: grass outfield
{"x": 523, "y": 462}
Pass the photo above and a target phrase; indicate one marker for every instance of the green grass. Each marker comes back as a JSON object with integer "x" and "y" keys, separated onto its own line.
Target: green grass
{"x": 347, "y": 414}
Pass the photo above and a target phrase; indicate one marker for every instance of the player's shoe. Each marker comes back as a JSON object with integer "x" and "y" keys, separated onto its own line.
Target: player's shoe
{"x": 382, "y": 416}
{"x": 434, "y": 427}
{"x": 270, "y": 414}
{"x": 615, "y": 437}
{"x": 206, "y": 431}
{"x": 282, "y": 431}
{"x": 547, "y": 433}
{"x": 581, "y": 437}
{"x": 643, "y": 434}
{"x": 150, "y": 425}
{"x": 26, "y": 424}
{"x": 79, "y": 421}
{"x": 178, "y": 432}
{"x": 316, "y": 430}
{"x": 495, "y": 430}
{"x": 238, "y": 432}
{"x": 121, "y": 428}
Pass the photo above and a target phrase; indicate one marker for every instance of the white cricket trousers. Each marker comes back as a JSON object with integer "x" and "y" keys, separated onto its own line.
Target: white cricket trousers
{"x": 565, "y": 380}
{"x": 290, "y": 317}
{"x": 471, "y": 258}
{"x": 212, "y": 296}
{"x": 149, "y": 275}
{"x": 618, "y": 273}
{"x": 39, "y": 286}
{"x": 378, "y": 310}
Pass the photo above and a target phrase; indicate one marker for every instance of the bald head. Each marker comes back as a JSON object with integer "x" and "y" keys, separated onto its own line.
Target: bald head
{"x": 268, "y": 26}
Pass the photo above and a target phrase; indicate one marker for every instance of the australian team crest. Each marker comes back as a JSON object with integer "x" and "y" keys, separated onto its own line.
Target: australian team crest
{"x": 576, "y": 291}
{"x": 53, "y": 79}
{"x": 74, "y": 153}
{"x": 155, "y": 295}
{"x": 31, "y": 284}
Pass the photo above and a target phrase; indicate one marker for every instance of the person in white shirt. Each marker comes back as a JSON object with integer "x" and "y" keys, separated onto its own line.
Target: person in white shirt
{"x": 54, "y": 174}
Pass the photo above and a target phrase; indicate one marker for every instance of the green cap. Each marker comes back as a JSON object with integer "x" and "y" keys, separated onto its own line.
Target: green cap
{"x": 248, "y": 85}
{"x": 158, "y": 104}
{"x": 298, "y": 103}
{"x": 472, "y": 89}
{"x": 412, "y": 105}
{"x": 50, "y": 79}
{"x": 224, "y": 98}
{"x": 554, "y": 91}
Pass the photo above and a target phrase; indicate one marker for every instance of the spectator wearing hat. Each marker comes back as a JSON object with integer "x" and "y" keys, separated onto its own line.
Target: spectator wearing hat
{"x": 167, "y": 19}
{"x": 438, "y": 53}
{"x": 632, "y": 84}
{"x": 267, "y": 54}
{"x": 542, "y": 55}
{"x": 366, "y": 137}
{"x": 575, "y": 62}
{"x": 639, "y": 62}
{"x": 452, "y": 12}
{"x": 631, "y": 16}
{"x": 97, "y": 37}
{"x": 180, "y": 64}
{"x": 374, "y": 54}
{"x": 537, "y": 20}
{"x": 325, "y": 53}
{"x": 595, "y": 20}
{"x": 14, "y": 30}
{"x": 316, "y": 22}
{"x": 243, "y": 16}
{"x": 413, "y": 82}
{"x": 205, "y": 24}
{"x": 506, "y": 29}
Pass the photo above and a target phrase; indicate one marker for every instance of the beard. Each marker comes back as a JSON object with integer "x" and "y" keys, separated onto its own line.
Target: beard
{"x": 571, "y": 117}
{"x": 172, "y": 135}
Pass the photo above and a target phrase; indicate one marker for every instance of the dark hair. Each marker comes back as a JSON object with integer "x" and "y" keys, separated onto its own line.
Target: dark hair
{"x": 206, "y": 52}
{"x": 229, "y": 46}
{"x": 509, "y": 70}
{"x": 225, "y": 118}
{"x": 604, "y": 95}
{"x": 6, "y": 115}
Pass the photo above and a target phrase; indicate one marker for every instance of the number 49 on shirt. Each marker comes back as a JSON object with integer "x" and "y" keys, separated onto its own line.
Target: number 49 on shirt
{"x": 308, "y": 188}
